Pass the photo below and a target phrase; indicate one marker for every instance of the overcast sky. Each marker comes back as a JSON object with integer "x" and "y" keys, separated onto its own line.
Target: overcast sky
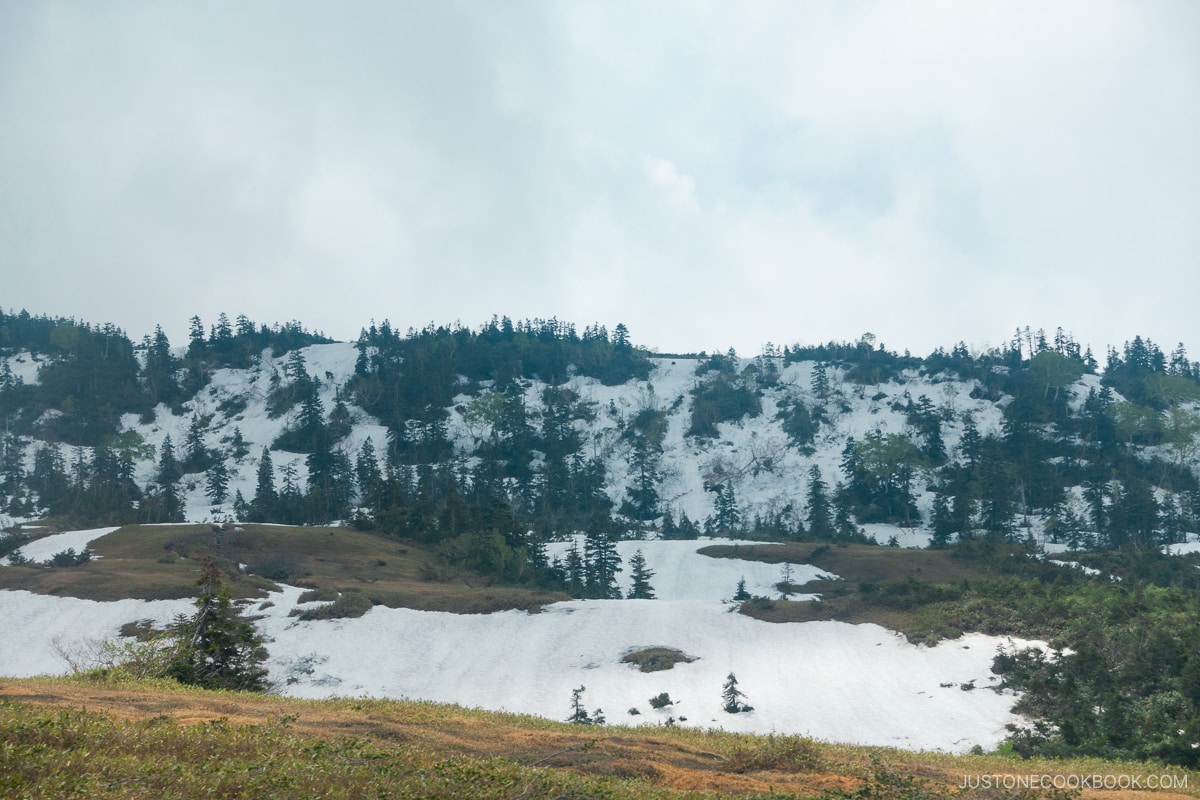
{"x": 712, "y": 174}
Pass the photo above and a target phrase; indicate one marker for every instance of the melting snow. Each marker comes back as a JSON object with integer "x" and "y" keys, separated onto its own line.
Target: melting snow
{"x": 831, "y": 680}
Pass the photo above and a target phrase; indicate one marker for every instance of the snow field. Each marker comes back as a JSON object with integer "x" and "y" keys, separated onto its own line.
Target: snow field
{"x": 42, "y": 550}
{"x": 849, "y": 683}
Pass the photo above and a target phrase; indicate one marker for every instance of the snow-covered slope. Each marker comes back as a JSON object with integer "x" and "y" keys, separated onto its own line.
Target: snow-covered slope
{"x": 851, "y": 683}
{"x": 753, "y": 454}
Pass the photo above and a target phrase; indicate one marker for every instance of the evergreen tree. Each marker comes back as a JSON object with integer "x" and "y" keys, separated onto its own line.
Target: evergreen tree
{"x": 12, "y": 463}
{"x": 687, "y": 528}
{"x": 241, "y": 509}
{"x": 368, "y": 476}
{"x": 943, "y": 523}
{"x": 997, "y": 500}
{"x": 238, "y": 449}
{"x": 266, "y": 501}
{"x": 217, "y": 482}
{"x": 291, "y": 501}
{"x": 820, "y": 512}
{"x": 575, "y": 574}
{"x": 169, "y": 471}
{"x": 740, "y": 594}
{"x": 196, "y": 456}
{"x": 732, "y": 697}
{"x": 160, "y": 370}
{"x": 579, "y": 714}
{"x": 726, "y": 516}
{"x": 218, "y": 651}
{"x": 820, "y": 381}
{"x": 601, "y": 565}
{"x": 641, "y": 575}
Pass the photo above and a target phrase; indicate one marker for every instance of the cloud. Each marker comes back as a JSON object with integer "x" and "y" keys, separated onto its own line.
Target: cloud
{"x": 710, "y": 175}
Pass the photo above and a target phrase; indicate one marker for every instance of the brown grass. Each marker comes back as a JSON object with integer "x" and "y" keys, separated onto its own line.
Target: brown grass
{"x": 160, "y": 562}
{"x": 858, "y": 563}
{"x": 665, "y": 762}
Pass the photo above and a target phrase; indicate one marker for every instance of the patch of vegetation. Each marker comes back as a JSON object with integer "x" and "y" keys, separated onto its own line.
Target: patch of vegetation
{"x": 330, "y": 559}
{"x": 855, "y": 563}
{"x": 69, "y": 558}
{"x": 348, "y": 605}
{"x": 141, "y": 630}
{"x": 318, "y": 595}
{"x": 792, "y": 753}
{"x": 721, "y": 398}
{"x": 661, "y": 700}
{"x": 656, "y": 659}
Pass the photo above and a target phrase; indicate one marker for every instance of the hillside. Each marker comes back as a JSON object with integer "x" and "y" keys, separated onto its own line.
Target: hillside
{"x": 535, "y": 431}
{"x": 524, "y": 467}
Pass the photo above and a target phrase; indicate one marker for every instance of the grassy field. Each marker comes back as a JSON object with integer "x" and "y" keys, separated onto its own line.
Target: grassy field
{"x": 151, "y": 562}
{"x": 928, "y": 595}
{"x": 83, "y": 737}
{"x": 858, "y": 563}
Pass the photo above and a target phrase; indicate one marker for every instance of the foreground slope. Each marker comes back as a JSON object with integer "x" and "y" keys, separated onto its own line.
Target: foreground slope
{"x": 90, "y": 738}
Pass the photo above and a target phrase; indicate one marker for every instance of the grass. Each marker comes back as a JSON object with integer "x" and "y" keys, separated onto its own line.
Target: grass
{"x": 160, "y": 562}
{"x": 859, "y": 563}
{"x": 656, "y": 659}
{"x": 83, "y": 737}
{"x": 928, "y": 595}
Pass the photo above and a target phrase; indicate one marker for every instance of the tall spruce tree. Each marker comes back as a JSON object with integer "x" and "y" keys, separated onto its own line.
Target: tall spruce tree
{"x": 820, "y": 512}
{"x": 640, "y": 575}
{"x": 601, "y": 565}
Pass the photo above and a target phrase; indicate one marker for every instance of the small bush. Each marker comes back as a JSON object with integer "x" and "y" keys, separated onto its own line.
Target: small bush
{"x": 11, "y": 542}
{"x": 69, "y": 558}
{"x": 779, "y": 753}
{"x": 280, "y": 567}
{"x": 656, "y": 659}
{"x": 661, "y": 700}
{"x": 348, "y": 606}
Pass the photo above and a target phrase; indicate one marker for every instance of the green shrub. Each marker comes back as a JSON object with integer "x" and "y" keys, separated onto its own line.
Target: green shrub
{"x": 347, "y": 606}
{"x": 777, "y": 753}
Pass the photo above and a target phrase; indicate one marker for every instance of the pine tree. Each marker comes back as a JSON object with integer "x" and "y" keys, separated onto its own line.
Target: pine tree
{"x": 368, "y": 476}
{"x": 740, "y": 594}
{"x": 641, "y": 575}
{"x": 238, "y": 449}
{"x": 579, "y": 714}
{"x": 731, "y": 697}
{"x": 601, "y": 563}
{"x": 266, "y": 501}
{"x": 575, "y": 574}
{"x": 241, "y": 509}
{"x": 820, "y": 382}
{"x": 726, "y": 516}
{"x": 196, "y": 456}
{"x": 943, "y": 523}
{"x": 820, "y": 512}
{"x": 218, "y": 651}
{"x": 169, "y": 470}
{"x": 217, "y": 482}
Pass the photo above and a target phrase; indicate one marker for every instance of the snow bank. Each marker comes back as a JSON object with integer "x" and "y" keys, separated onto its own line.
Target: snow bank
{"x": 34, "y": 628}
{"x": 851, "y": 683}
{"x": 41, "y": 550}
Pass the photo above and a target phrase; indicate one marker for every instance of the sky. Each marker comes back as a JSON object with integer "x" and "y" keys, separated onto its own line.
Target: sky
{"x": 711, "y": 174}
